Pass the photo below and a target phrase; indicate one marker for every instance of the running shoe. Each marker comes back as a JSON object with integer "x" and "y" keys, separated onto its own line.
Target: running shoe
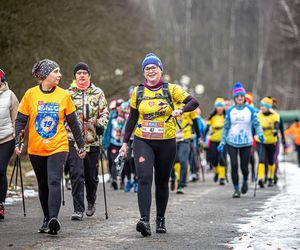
{"x": 77, "y": 216}
{"x": 236, "y": 194}
{"x": 54, "y": 226}
{"x": 128, "y": 186}
{"x": 90, "y": 209}
{"x": 44, "y": 228}
{"x": 244, "y": 187}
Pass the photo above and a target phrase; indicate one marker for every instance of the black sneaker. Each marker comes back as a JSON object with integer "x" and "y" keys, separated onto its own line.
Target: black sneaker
{"x": 261, "y": 183}
{"x": 114, "y": 184}
{"x": 244, "y": 187}
{"x": 54, "y": 226}
{"x": 77, "y": 216}
{"x": 160, "y": 225}
{"x": 90, "y": 209}
{"x": 143, "y": 226}
{"x": 216, "y": 177}
{"x": 236, "y": 194}
{"x": 270, "y": 184}
{"x": 275, "y": 179}
{"x": 222, "y": 182}
{"x": 44, "y": 228}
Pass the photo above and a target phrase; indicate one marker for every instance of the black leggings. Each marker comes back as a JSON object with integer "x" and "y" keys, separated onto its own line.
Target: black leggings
{"x": 216, "y": 157}
{"x": 112, "y": 154}
{"x": 48, "y": 171}
{"x": 244, "y": 159}
{"x": 161, "y": 155}
{"x": 6, "y": 151}
{"x": 266, "y": 153}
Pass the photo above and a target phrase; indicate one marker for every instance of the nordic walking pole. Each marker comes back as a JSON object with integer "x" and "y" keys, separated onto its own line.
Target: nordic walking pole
{"x": 63, "y": 190}
{"x": 256, "y": 175}
{"x": 103, "y": 183}
{"x": 22, "y": 187}
{"x": 284, "y": 170}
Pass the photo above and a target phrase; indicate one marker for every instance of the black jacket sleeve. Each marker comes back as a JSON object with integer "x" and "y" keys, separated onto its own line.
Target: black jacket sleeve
{"x": 130, "y": 125}
{"x": 74, "y": 126}
{"x": 21, "y": 122}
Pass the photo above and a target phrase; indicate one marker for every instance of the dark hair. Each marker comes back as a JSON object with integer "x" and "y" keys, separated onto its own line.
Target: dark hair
{"x": 214, "y": 113}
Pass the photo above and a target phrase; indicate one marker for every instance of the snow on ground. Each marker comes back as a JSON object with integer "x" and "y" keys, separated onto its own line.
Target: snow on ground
{"x": 277, "y": 226}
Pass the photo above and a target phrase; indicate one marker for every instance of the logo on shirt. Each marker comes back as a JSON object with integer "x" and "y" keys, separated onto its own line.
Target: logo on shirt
{"x": 47, "y": 119}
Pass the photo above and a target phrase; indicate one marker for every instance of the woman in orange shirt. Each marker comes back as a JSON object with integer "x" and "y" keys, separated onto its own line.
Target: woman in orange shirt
{"x": 294, "y": 130}
{"x": 45, "y": 107}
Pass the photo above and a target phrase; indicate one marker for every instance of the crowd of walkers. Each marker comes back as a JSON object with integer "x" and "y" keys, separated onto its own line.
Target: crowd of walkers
{"x": 158, "y": 131}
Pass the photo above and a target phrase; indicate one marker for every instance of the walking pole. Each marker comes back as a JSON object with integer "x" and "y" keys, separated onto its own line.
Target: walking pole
{"x": 284, "y": 170}
{"x": 103, "y": 183}
{"x": 63, "y": 189}
{"x": 22, "y": 187}
{"x": 200, "y": 164}
{"x": 256, "y": 175}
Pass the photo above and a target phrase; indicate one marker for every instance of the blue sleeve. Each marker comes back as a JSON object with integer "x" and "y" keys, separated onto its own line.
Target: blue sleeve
{"x": 226, "y": 127}
{"x": 255, "y": 122}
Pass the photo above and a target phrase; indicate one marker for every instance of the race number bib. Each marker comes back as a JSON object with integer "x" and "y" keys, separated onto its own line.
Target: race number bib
{"x": 153, "y": 129}
{"x": 47, "y": 119}
{"x": 179, "y": 135}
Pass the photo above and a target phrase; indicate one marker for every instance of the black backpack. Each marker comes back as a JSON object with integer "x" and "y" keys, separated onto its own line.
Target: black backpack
{"x": 166, "y": 95}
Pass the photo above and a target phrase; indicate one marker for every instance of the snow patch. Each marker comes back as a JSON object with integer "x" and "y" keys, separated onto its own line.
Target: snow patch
{"x": 277, "y": 226}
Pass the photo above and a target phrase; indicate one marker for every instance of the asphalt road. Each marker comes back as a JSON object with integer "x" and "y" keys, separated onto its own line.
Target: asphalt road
{"x": 203, "y": 218}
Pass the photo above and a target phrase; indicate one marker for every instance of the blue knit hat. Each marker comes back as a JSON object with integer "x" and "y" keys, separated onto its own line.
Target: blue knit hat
{"x": 238, "y": 89}
{"x": 152, "y": 59}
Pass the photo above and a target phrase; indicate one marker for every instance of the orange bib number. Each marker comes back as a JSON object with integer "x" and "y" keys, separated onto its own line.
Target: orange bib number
{"x": 153, "y": 129}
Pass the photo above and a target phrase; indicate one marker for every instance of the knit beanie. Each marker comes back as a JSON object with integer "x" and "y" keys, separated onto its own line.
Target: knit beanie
{"x": 219, "y": 102}
{"x": 43, "y": 68}
{"x": 2, "y": 76}
{"x": 238, "y": 89}
{"x": 266, "y": 102}
{"x": 152, "y": 59}
{"x": 81, "y": 66}
{"x": 249, "y": 97}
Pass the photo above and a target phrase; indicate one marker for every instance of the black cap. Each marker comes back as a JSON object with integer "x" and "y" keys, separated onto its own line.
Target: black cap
{"x": 81, "y": 66}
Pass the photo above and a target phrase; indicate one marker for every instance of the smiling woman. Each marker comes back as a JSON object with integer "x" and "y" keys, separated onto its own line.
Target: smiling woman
{"x": 154, "y": 138}
{"x": 45, "y": 107}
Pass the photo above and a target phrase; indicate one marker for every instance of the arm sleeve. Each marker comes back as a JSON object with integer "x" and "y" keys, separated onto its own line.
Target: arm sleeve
{"x": 20, "y": 124}
{"x": 196, "y": 128}
{"x": 103, "y": 113}
{"x": 74, "y": 126}
{"x": 190, "y": 104}
{"x": 225, "y": 129}
{"x": 256, "y": 125}
{"x": 281, "y": 129}
{"x": 130, "y": 125}
{"x": 206, "y": 130}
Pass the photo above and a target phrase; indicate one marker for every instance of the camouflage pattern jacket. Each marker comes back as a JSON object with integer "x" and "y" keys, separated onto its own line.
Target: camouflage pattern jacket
{"x": 91, "y": 107}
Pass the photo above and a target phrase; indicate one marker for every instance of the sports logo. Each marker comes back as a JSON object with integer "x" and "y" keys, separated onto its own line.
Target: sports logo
{"x": 47, "y": 119}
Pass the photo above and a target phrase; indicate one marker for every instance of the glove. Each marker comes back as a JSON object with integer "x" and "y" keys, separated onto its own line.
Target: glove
{"x": 261, "y": 139}
{"x": 220, "y": 148}
{"x": 99, "y": 130}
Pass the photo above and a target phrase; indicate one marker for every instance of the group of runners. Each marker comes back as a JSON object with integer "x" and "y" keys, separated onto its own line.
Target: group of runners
{"x": 158, "y": 131}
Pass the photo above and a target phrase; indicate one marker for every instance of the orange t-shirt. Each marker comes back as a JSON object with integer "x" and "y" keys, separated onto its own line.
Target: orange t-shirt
{"x": 46, "y": 111}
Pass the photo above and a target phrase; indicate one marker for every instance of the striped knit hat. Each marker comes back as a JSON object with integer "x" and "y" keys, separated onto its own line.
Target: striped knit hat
{"x": 238, "y": 89}
{"x": 219, "y": 102}
{"x": 249, "y": 97}
{"x": 266, "y": 102}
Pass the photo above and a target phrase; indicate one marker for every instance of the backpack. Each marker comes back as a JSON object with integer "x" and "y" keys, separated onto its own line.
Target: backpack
{"x": 166, "y": 95}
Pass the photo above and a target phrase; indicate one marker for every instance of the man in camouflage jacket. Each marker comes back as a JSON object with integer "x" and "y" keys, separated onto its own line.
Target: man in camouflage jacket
{"x": 92, "y": 115}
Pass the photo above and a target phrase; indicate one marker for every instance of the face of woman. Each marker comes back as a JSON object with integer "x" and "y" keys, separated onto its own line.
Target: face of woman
{"x": 152, "y": 73}
{"x": 54, "y": 77}
{"x": 82, "y": 76}
{"x": 239, "y": 100}
{"x": 220, "y": 110}
{"x": 263, "y": 109}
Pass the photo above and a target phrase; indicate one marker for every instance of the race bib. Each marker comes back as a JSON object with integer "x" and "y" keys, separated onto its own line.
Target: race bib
{"x": 47, "y": 119}
{"x": 179, "y": 135}
{"x": 153, "y": 129}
